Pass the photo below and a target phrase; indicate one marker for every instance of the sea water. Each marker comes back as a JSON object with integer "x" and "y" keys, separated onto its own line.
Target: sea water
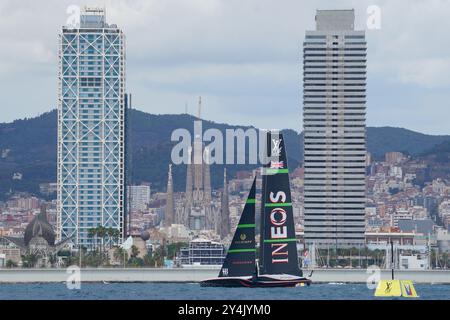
{"x": 193, "y": 291}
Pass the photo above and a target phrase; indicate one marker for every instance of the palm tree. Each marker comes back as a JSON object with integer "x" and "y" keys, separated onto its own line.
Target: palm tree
{"x": 30, "y": 260}
{"x": 101, "y": 232}
{"x": 113, "y": 235}
{"x": 376, "y": 255}
{"x": 11, "y": 264}
{"x": 445, "y": 258}
{"x": 134, "y": 251}
{"x": 109, "y": 233}
{"x": 366, "y": 253}
{"x": 120, "y": 254}
{"x": 352, "y": 251}
{"x": 433, "y": 259}
{"x": 158, "y": 257}
{"x": 92, "y": 233}
{"x": 116, "y": 234}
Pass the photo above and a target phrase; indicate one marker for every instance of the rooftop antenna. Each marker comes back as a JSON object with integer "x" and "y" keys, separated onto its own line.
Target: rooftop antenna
{"x": 199, "y": 107}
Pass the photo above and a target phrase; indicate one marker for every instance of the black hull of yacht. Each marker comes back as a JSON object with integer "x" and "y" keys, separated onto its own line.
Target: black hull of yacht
{"x": 260, "y": 282}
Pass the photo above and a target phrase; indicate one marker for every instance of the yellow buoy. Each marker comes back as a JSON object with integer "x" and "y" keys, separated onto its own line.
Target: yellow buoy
{"x": 388, "y": 288}
{"x": 408, "y": 290}
{"x": 396, "y": 288}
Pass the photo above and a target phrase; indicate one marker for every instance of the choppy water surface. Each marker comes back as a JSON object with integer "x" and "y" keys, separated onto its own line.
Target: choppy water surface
{"x": 193, "y": 291}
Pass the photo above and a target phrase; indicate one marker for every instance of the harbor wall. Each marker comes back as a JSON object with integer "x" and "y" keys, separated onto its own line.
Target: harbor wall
{"x": 198, "y": 274}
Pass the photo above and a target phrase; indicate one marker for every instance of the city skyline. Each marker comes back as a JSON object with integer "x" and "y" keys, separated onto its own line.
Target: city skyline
{"x": 164, "y": 203}
{"x": 408, "y": 66}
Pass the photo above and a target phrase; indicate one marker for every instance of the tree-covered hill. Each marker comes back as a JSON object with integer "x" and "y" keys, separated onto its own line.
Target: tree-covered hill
{"x": 28, "y": 147}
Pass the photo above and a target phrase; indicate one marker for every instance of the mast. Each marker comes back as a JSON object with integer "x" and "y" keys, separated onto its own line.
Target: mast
{"x": 313, "y": 255}
{"x": 328, "y": 255}
{"x": 392, "y": 259}
{"x": 261, "y": 224}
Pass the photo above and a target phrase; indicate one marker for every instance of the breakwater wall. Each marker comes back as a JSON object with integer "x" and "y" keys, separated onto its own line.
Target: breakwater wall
{"x": 198, "y": 274}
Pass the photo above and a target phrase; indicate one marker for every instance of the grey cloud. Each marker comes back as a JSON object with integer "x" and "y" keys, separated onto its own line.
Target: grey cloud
{"x": 244, "y": 57}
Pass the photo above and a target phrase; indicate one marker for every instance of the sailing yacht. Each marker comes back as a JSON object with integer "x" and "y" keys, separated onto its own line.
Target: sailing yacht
{"x": 278, "y": 250}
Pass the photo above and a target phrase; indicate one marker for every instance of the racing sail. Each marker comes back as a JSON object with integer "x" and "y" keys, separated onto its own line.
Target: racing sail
{"x": 240, "y": 259}
{"x": 278, "y": 248}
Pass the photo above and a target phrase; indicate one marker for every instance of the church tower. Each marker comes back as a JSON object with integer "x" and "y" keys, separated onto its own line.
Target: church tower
{"x": 170, "y": 213}
{"x": 198, "y": 212}
{"x": 224, "y": 227}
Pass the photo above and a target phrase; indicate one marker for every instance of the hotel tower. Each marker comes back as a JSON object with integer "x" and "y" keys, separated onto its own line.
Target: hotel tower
{"x": 91, "y": 133}
{"x": 334, "y": 109}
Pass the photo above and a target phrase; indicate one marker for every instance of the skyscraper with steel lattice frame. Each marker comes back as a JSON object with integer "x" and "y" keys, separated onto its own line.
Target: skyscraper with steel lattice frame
{"x": 91, "y": 129}
{"x": 334, "y": 99}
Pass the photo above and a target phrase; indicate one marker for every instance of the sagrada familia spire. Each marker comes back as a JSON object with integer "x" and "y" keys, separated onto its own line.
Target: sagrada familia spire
{"x": 224, "y": 228}
{"x": 198, "y": 212}
{"x": 169, "y": 217}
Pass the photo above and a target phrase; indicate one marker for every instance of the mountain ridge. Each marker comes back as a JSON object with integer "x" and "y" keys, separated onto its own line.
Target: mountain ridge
{"x": 28, "y": 146}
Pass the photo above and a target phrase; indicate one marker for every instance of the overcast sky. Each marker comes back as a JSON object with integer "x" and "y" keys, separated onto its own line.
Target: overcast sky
{"x": 242, "y": 56}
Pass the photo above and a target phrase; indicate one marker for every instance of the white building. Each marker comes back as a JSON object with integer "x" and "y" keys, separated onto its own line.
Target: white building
{"x": 396, "y": 172}
{"x": 202, "y": 252}
{"x": 177, "y": 232}
{"x": 334, "y": 97}
{"x": 444, "y": 212}
{"x": 91, "y": 128}
{"x": 138, "y": 197}
{"x": 401, "y": 214}
{"x": 439, "y": 186}
{"x": 443, "y": 240}
{"x": 413, "y": 262}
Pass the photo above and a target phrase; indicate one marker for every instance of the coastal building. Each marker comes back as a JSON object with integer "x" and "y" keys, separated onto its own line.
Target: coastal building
{"x": 423, "y": 226}
{"x": 413, "y": 262}
{"x": 443, "y": 240}
{"x": 385, "y": 237}
{"x": 38, "y": 240}
{"x": 334, "y": 108}
{"x": 177, "y": 233}
{"x": 91, "y": 128}
{"x": 10, "y": 251}
{"x": 202, "y": 252}
{"x": 138, "y": 197}
{"x": 25, "y": 203}
{"x": 48, "y": 188}
{"x": 394, "y": 157}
